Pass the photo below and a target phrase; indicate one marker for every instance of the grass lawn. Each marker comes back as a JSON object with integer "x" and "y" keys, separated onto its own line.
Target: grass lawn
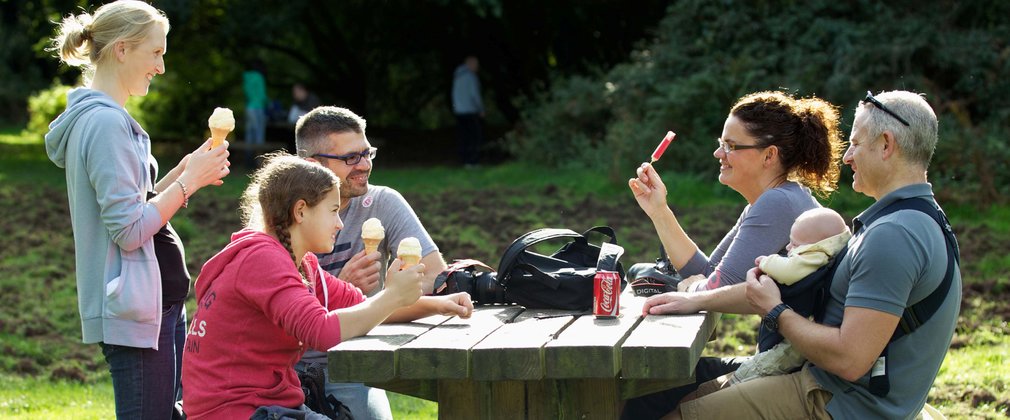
{"x": 46, "y": 373}
{"x": 22, "y": 398}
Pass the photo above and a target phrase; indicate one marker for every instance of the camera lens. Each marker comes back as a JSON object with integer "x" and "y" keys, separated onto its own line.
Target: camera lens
{"x": 487, "y": 290}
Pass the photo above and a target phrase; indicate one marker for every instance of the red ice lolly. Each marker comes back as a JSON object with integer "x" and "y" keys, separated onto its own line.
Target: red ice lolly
{"x": 662, "y": 146}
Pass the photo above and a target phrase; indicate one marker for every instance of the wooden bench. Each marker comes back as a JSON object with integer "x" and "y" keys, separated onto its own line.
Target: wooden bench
{"x": 511, "y": 362}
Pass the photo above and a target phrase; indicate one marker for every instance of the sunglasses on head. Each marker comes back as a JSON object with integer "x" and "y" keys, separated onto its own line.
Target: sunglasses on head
{"x": 869, "y": 98}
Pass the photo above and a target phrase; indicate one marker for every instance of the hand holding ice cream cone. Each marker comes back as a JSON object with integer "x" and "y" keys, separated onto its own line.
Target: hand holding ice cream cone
{"x": 409, "y": 251}
{"x": 372, "y": 233}
{"x": 221, "y": 122}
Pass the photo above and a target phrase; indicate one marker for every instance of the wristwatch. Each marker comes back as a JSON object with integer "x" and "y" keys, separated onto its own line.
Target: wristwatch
{"x": 771, "y": 320}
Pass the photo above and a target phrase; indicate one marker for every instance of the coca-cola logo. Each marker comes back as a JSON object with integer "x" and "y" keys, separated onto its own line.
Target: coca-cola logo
{"x": 607, "y": 283}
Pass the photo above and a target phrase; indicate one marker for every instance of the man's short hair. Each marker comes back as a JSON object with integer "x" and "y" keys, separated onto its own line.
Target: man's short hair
{"x": 918, "y": 139}
{"x": 313, "y": 127}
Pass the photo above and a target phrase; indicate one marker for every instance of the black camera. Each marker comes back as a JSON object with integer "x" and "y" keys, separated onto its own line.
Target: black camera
{"x": 482, "y": 286}
{"x": 648, "y": 279}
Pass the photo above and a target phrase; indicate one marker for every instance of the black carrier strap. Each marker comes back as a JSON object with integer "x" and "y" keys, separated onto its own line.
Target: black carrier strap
{"x": 920, "y": 312}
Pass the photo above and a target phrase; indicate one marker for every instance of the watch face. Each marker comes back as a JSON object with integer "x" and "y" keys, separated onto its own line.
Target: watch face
{"x": 769, "y": 323}
{"x": 771, "y": 319}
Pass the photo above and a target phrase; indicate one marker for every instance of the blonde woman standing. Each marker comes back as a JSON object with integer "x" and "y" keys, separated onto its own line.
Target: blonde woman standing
{"x": 130, "y": 264}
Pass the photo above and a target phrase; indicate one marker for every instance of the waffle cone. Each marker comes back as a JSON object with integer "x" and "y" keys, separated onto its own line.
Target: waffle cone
{"x": 217, "y": 136}
{"x": 409, "y": 261}
{"x": 371, "y": 244}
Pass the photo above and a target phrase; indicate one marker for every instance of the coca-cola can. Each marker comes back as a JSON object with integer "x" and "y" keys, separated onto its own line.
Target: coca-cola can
{"x": 606, "y": 293}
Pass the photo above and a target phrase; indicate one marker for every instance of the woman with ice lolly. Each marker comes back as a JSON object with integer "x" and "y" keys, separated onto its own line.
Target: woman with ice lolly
{"x": 774, "y": 150}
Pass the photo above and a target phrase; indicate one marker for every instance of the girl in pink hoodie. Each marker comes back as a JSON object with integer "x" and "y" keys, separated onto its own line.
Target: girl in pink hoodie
{"x": 260, "y": 298}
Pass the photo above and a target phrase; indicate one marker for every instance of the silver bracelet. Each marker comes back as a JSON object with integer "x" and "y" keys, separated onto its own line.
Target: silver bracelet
{"x": 185, "y": 193}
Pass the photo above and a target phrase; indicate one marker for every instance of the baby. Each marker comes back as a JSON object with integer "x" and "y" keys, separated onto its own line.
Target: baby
{"x": 816, "y": 236}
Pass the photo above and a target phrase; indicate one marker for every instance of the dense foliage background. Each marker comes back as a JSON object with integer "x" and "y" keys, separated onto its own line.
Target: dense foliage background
{"x": 583, "y": 84}
{"x": 390, "y": 60}
{"x": 706, "y": 54}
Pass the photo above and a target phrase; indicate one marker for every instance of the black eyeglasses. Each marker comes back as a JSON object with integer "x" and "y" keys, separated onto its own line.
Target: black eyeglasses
{"x": 353, "y": 158}
{"x": 729, "y": 147}
{"x": 869, "y": 98}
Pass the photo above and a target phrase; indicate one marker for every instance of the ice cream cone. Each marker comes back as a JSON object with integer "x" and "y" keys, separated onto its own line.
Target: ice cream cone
{"x": 372, "y": 233}
{"x": 409, "y": 251}
{"x": 217, "y": 136}
{"x": 371, "y": 244}
{"x": 409, "y": 261}
{"x": 221, "y": 122}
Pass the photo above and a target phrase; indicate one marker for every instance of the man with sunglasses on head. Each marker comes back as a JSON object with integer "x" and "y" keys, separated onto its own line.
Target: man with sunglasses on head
{"x": 335, "y": 137}
{"x": 892, "y": 303}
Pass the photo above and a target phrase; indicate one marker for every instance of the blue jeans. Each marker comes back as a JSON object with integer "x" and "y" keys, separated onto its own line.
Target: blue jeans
{"x": 255, "y": 125}
{"x": 146, "y": 382}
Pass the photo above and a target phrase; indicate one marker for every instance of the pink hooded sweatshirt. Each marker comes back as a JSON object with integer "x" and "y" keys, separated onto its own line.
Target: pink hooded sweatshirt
{"x": 253, "y": 321}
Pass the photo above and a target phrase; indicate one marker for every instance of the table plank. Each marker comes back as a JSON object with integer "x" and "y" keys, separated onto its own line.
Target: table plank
{"x": 666, "y": 346}
{"x": 443, "y": 351}
{"x": 590, "y": 346}
{"x": 372, "y": 357}
{"x": 515, "y": 351}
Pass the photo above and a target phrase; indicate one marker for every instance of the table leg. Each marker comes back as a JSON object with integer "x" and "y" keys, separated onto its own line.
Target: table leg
{"x": 588, "y": 399}
{"x": 465, "y": 399}
{"x": 544, "y": 399}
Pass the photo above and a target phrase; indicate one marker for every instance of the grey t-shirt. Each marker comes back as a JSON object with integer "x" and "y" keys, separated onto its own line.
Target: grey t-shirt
{"x": 897, "y": 261}
{"x": 762, "y": 229}
{"x": 397, "y": 217}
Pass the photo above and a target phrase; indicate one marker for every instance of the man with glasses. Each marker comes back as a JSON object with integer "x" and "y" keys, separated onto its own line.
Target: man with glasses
{"x": 335, "y": 137}
{"x": 900, "y": 258}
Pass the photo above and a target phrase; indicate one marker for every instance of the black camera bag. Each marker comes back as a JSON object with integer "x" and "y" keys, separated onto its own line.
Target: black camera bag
{"x": 562, "y": 280}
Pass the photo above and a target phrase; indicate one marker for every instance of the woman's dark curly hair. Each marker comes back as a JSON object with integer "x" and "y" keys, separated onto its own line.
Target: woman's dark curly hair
{"x": 805, "y": 131}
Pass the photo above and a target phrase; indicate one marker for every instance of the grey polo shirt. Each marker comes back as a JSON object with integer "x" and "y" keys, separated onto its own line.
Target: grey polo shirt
{"x": 897, "y": 261}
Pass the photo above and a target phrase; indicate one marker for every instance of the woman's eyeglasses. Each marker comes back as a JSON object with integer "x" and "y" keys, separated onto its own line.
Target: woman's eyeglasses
{"x": 869, "y": 98}
{"x": 729, "y": 147}
{"x": 353, "y": 158}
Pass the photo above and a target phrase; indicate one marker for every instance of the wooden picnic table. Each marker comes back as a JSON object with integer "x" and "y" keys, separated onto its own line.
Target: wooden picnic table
{"x": 511, "y": 362}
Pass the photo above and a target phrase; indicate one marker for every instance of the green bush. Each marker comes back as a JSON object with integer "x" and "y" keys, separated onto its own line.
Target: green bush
{"x": 44, "y": 106}
{"x": 706, "y": 55}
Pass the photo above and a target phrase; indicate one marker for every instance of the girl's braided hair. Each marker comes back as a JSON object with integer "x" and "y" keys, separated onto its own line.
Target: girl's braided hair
{"x": 276, "y": 187}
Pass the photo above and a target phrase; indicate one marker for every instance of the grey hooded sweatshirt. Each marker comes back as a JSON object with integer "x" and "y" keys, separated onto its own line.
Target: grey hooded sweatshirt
{"x": 107, "y": 156}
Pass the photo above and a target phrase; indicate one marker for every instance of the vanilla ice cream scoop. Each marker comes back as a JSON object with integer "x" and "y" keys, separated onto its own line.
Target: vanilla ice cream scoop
{"x": 372, "y": 234}
{"x": 372, "y": 228}
{"x": 409, "y": 251}
{"x": 221, "y": 122}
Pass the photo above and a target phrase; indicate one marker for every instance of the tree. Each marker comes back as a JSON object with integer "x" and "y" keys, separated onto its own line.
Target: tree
{"x": 390, "y": 60}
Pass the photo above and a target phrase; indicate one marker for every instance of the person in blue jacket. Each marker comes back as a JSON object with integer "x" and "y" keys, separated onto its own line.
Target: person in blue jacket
{"x": 132, "y": 280}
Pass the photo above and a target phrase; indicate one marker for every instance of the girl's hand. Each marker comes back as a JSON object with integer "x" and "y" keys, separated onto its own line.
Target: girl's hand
{"x": 649, "y": 190}
{"x": 405, "y": 286}
{"x": 458, "y": 304}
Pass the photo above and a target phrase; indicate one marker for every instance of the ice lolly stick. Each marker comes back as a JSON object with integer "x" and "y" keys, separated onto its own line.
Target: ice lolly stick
{"x": 662, "y": 146}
